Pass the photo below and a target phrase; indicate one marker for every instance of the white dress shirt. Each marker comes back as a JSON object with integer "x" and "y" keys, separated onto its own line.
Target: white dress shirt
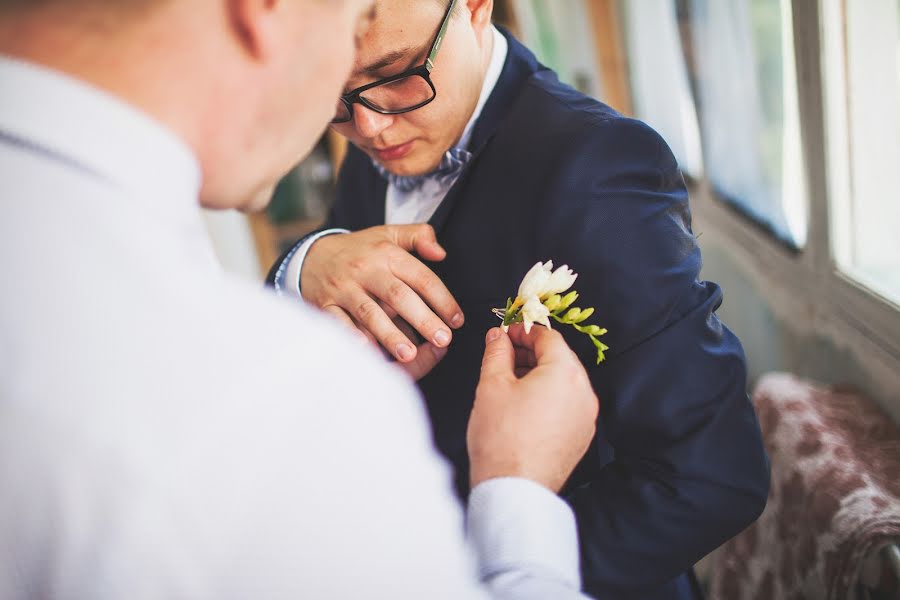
{"x": 403, "y": 208}
{"x": 167, "y": 431}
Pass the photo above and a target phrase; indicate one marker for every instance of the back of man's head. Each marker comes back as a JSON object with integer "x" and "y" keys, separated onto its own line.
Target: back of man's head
{"x": 248, "y": 84}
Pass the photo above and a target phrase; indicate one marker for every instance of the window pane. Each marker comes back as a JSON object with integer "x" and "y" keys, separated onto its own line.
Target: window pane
{"x": 863, "y": 80}
{"x": 659, "y": 79}
{"x": 742, "y": 61}
{"x": 558, "y": 32}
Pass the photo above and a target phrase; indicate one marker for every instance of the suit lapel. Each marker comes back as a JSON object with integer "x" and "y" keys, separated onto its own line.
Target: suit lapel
{"x": 376, "y": 209}
{"x": 373, "y": 206}
{"x": 519, "y": 66}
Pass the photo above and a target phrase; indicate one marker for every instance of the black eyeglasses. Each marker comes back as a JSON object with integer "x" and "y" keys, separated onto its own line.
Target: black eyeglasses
{"x": 400, "y": 93}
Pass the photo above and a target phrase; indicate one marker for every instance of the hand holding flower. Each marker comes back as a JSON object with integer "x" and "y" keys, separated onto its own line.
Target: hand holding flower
{"x": 539, "y": 299}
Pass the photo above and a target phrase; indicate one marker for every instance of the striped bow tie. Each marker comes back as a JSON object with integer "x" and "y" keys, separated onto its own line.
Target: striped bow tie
{"x": 451, "y": 166}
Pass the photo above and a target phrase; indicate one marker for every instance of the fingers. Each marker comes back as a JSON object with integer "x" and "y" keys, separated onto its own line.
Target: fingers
{"x": 372, "y": 317}
{"x": 411, "y": 308}
{"x": 427, "y": 357}
{"x": 420, "y": 239}
{"x": 525, "y": 358}
{"x": 358, "y": 271}
{"x": 547, "y": 345}
{"x": 407, "y": 330}
{"x": 499, "y": 356}
{"x": 338, "y": 313}
{"x": 429, "y": 288}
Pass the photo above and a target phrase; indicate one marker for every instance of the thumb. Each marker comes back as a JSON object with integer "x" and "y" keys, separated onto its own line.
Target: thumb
{"x": 420, "y": 239}
{"x": 499, "y": 356}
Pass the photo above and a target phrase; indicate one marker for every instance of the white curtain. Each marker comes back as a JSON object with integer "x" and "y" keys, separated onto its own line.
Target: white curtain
{"x": 661, "y": 91}
{"x": 752, "y": 149}
{"x": 729, "y": 100}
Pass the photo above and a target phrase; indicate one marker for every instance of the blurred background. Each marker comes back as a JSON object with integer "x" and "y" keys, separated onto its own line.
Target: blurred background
{"x": 785, "y": 118}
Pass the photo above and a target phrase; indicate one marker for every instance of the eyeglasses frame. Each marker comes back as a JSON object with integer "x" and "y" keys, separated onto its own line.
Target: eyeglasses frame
{"x": 424, "y": 71}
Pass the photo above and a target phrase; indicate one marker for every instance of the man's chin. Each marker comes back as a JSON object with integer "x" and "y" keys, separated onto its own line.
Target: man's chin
{"x": 247, "y": 202}
{"x": 258, "y": 201}
{"x": 409, "y": 168}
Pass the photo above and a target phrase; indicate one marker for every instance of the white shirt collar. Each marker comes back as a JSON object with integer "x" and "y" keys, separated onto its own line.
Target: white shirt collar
{"x": 492, "y": 76}
{"x": 72, "y": 121}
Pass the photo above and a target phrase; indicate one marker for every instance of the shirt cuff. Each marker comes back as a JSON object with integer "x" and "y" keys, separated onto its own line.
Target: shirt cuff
{"x": 517, "y": 525}
{"x": 287, "y": 278}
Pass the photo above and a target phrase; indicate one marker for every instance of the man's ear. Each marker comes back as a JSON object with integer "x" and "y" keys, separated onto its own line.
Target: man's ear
{"x": 254, "y": 23}
{"x": 481, "y": 12}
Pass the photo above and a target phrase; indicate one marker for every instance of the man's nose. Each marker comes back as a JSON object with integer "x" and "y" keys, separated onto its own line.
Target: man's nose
{"x": 369, "y": 124}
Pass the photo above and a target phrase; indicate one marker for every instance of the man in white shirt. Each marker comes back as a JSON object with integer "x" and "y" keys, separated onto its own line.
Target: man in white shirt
{"x": 169, "y": 432}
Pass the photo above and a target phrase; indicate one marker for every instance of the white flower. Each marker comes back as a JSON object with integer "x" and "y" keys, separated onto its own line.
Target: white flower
{"x": 542, "y": 282}
{"x": 535, "y": 312}
{"x": 561, "y": 280}
{"x": 535, "y": 280}
{"x": 541, "y": 297}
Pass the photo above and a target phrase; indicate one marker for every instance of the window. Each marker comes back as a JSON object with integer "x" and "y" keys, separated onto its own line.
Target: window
{"x": 660, "y": 88}
{"x": 743, "y": 71}
{"x": 862, "y": 76}
{"x": 560, "y": 36}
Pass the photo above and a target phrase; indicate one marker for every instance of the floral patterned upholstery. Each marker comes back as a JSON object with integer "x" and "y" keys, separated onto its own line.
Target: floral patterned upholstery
{"x": 834, "y": 499}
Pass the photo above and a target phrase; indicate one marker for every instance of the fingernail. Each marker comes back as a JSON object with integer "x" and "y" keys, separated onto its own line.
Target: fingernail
{"x": 458, "y": 320}
{"x": 492, "y": 335}
{"x": 405, "y": 352}
{"x": 442, "y": 337}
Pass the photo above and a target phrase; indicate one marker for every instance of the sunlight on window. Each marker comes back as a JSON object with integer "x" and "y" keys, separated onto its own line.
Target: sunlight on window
{"x": 659, "y": 79}
{"x": 744, "y": 72}
{"x": 862, "y": 71}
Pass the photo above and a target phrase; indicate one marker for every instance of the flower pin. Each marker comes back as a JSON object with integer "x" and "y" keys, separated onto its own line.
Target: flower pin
{"x": 539, "y": 299}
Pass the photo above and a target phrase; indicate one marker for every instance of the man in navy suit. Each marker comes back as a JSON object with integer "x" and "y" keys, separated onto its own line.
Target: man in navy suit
{"x": 470, "y": 154}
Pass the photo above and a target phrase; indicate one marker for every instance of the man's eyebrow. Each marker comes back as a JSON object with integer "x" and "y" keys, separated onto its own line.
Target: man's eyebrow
{"x": 392, "y": 57}
{"x": 385, "y": 61}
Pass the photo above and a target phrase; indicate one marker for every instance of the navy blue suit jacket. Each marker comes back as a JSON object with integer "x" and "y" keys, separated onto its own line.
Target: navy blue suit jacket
{"x": 677, "y": 466}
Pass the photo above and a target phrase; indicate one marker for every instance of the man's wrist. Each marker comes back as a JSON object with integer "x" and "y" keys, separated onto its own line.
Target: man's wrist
{"x": 287, "y": 278}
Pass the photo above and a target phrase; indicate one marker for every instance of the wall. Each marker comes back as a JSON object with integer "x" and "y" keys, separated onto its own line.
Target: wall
{"x": 790, "y": 317}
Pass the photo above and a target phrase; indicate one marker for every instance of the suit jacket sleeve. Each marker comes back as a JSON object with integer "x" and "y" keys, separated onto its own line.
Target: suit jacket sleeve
{"x": 689, "y": 470}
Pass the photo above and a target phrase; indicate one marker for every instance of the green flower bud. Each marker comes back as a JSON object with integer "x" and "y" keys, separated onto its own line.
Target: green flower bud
{"x": 552, "y": 303}
{"x": 583, "y": 315}
{"x": 567, "y": 301}
{"x": 593, "y": 330}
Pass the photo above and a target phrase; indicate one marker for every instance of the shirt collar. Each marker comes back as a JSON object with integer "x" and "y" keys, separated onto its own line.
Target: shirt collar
{"x": 498, "y": 58}
{"x": 63, "y": 117}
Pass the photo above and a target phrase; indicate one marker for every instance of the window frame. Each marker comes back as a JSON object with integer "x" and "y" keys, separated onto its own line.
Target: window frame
{"x": 833, "y": 304}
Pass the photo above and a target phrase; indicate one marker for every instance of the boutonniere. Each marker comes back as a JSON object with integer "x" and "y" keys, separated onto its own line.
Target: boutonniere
{"x": 540, "y": 299}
